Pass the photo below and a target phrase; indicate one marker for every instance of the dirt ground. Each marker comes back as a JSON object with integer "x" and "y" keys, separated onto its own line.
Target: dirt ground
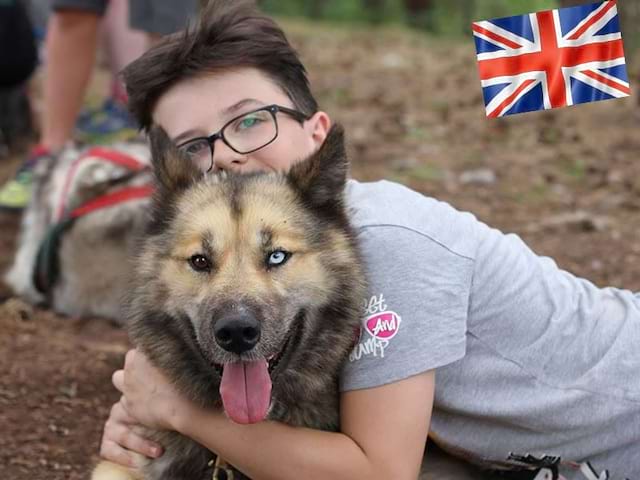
{"x": 567, "y": 181}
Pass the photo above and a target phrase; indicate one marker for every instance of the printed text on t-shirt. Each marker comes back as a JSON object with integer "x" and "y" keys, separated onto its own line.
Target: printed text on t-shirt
{"x": 381, "y": 325}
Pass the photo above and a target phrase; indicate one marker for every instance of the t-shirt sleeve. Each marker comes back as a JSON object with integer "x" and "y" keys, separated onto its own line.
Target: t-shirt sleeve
{"x": 415, "y": 312}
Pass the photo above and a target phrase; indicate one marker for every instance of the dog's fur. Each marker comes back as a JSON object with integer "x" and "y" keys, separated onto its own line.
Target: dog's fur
{"x": 94, "y": 254}
{"x": 308, "y": 308}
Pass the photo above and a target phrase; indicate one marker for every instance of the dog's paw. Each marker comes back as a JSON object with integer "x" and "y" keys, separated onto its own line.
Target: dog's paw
{"x": 111, "y": 471}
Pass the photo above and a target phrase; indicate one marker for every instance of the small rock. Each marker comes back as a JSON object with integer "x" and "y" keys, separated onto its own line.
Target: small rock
{"x": 17, "y": 308}
{"x": 579, "y": 220}
{"x": 480, "y": 176}
{"x": 405, "y": 163}
{"x": 393, "y": 60}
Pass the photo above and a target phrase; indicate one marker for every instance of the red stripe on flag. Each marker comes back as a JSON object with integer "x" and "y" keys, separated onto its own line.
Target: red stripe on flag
{"x": 606, "y": 81}
{"x": 551, "y": 58}
{"x": 495, "y": 36}
{"x": 496, "y": 111}
{"x": 605, "y": 8}
{"x": 571, "y": 57}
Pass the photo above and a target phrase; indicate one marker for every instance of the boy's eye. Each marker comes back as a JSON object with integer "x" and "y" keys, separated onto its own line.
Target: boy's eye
{"x": 200, "y": 263}
{"x": 195, "y": 149}
{"x": 248, "y": 122}
{"x": 251, "y": 120}
{"x": 278, "y": 258}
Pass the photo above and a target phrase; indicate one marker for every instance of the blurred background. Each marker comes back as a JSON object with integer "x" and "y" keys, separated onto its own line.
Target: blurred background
{"x": 440, "y": 17}
{"x": 401, "y": 75}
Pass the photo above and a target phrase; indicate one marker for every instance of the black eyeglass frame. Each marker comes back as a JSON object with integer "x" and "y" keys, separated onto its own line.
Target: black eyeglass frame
{"x": 272, "y": 109}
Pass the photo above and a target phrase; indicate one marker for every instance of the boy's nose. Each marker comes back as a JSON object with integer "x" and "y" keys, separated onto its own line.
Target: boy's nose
{"x": 224, "y": 158}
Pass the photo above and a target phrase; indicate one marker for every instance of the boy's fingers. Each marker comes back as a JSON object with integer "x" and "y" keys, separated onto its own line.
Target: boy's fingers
{"x": 126, "y": 438}
{"x": 113, "y": 452}
{"x": 123, "y": 435}
{"x": 119, "y": 414}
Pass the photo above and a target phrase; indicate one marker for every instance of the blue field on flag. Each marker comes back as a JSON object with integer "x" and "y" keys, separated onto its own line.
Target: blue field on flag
{"x": 551, "y": 59}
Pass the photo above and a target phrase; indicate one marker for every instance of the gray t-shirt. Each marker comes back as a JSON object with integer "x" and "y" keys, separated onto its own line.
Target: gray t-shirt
{"x": 529, "y": 358}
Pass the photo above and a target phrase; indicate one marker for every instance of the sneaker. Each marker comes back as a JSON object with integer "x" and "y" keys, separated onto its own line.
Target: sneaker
{"x": 16, "y": 193}
{"x": 109, "y": 123}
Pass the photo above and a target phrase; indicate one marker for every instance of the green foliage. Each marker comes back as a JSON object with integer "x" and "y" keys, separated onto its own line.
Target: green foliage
{"x": 449, "y": 17}
{"x": 334, "y": 10}
{"x": 486, "y": 9}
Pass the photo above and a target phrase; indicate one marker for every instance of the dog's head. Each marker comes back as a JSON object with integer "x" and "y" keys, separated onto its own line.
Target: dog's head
{"x": 243, "y": 268}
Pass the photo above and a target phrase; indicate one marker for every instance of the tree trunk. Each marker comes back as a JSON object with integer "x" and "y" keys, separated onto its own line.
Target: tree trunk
{"x": 315, "y": 8}
{"x": 374, "y": 10}
{"x": 467, "y": 9}
{"x": 420, "y": 13}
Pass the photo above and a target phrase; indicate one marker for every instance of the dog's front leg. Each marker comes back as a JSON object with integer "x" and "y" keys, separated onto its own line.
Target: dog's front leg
{"x": 183, "y": 459}
{"x": 111, "y": 471}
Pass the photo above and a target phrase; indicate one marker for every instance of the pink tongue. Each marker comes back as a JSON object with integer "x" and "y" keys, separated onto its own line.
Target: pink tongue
{"x": 246, "y": 391}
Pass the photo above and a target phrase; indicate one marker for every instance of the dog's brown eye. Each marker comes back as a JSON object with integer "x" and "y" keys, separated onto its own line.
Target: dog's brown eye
{"x": 200, "y": 263}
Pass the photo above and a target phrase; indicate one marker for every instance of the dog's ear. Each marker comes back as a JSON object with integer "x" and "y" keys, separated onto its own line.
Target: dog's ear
{"x": 321, "y": 178}
{"x": 173, "y": 171}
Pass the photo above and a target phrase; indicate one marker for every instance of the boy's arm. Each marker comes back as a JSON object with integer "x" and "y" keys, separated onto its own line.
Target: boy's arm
{"x": 384, "y": 431}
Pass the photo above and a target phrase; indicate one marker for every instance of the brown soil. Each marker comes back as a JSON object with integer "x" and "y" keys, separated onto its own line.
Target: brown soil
{"x": 567, "y": 181}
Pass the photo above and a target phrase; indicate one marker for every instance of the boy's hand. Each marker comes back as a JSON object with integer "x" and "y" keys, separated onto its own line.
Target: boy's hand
{"x": 121, "y": 445}
{"x": 147, "y": 395}
{"x": 148, "y": 399}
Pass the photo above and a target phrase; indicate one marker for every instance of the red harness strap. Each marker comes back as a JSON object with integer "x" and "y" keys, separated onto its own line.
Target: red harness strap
{"x": 108, "y": 155}
{"x": 46, "y": 267}
{"x": 113, "y": 198}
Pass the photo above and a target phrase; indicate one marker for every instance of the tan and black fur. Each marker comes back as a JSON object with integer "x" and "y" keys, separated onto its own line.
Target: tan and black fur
{"x": 308, "y": 308}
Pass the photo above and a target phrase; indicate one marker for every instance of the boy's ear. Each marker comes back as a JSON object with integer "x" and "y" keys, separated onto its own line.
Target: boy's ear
{"x": 173, "y": 171}
{"x": 321, "y": 178}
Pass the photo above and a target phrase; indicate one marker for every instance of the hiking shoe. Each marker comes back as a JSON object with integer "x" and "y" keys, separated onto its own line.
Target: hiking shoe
{"x": 109, "y": 123}
{"x": 16, "y": 193}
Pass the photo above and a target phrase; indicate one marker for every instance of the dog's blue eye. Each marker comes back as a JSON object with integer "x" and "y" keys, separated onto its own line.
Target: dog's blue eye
{"x": 200, "y": 263}
{"x": 277, "y": 258}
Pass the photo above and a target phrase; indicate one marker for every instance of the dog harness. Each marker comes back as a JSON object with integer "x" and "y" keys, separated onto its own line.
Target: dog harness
{"x": 221, "y": 470}
{"x": 546, "y": 467}
{"x": 46, "y": 268}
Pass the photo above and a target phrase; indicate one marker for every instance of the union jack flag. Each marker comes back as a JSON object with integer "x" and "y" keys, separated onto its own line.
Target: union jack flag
{"x": 551, "y": 59}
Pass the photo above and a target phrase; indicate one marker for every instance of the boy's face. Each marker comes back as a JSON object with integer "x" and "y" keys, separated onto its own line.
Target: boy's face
{"x": 200, "y": 106}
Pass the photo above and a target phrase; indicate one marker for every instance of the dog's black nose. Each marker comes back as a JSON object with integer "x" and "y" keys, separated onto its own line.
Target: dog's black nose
{"x": 237, "y": 333}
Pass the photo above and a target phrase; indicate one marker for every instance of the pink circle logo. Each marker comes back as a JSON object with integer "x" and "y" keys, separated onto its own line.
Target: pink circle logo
{"x": 383, "y": 326}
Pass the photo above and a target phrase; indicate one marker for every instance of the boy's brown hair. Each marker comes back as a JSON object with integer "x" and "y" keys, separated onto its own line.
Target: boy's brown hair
{"x": 229, "y": 34}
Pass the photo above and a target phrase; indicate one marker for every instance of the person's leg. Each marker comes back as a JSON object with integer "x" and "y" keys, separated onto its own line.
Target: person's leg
{"x": 161, "y": 17}
{"x": 123, "y": 44}
{"x": 70, "y": 52}
{"x": 112, "y": 121}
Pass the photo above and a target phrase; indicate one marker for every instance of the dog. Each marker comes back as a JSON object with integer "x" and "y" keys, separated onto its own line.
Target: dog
{"x": 88, "y": 208}
{"x": 254, "y": 277}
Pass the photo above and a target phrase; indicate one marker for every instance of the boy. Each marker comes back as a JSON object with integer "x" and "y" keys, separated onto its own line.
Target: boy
{"x": 530, "y": 359}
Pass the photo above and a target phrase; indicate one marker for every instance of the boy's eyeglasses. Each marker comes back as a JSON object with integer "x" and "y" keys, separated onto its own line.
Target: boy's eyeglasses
{"x": 243, "y": 134}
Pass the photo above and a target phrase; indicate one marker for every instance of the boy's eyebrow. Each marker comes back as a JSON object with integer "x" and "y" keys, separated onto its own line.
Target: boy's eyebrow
{"x": 196, "y": 132}
{"x": 238, "y": 105}
{"x": 189, "y": 134}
